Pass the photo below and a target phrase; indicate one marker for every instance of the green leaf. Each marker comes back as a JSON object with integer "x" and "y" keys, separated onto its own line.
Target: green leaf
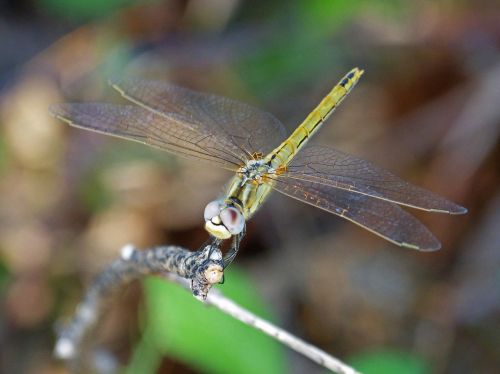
{"x": 82, "y": 10}
{"x": 389, "y": 362}
{"x": 278, "y": 67}
{"x": 324, "y": 17}
{"x": 180, "y": 326}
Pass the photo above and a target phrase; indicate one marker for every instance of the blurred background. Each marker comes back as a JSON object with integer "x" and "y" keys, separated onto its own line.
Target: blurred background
{"x": 427, "y": 109}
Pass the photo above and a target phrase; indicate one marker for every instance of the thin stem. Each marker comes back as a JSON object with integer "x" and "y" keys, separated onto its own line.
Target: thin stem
{"x": 204, "y": 268}
{"x": 195, "y": 271}
{"x": 217, "y": 299}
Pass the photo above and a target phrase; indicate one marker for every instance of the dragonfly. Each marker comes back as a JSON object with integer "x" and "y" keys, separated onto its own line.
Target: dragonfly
{"x": 254, "y": 146}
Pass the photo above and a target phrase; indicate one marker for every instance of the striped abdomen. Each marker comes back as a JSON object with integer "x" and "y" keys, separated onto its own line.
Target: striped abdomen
{"x": 285, "y": 152}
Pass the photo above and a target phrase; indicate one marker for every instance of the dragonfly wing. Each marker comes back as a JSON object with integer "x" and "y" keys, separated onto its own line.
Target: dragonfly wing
{"x": 171, "y": 134}
{"x": 248, "y": 128}
{"x": 378, "y": 216}
{"x": 333, "y": 168}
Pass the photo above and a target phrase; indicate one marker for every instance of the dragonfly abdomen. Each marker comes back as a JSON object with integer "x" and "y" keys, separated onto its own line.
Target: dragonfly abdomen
{"x": 285, "y": 152}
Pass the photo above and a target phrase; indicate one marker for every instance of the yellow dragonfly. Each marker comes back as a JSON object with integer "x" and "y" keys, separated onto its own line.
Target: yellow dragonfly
{"x": 253, "y": 144}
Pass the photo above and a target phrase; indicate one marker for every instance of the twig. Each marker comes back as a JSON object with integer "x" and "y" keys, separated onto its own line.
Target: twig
{"x": 217, "y": 299}
{"x": 204, "y": 268}
{"x": 196, "y": 271}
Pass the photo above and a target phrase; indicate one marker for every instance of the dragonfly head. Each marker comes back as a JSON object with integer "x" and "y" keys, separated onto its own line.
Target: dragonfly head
{"x": 223, "y": 220}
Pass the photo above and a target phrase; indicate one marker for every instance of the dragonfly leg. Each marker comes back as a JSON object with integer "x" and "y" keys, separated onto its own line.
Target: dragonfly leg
{"x": 235, "y": 247}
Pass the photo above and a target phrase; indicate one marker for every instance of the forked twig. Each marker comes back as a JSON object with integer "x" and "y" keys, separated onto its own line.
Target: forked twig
{"x": 196, "y": 271}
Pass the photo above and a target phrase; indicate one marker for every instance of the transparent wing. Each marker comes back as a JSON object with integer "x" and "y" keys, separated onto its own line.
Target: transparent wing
{"x": 169, "y": 133}
{"x": 249, "y": 129}
{"x": 378, "y": 216}
{"x": 332, "y": 168}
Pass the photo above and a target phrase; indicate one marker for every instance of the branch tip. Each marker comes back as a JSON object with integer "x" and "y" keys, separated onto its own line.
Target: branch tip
{"x": 127, "y": 251}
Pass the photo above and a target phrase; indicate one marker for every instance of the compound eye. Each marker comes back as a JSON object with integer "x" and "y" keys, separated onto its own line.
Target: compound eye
{"x": 233, "y": 220}
{"x": 211, "y": 210}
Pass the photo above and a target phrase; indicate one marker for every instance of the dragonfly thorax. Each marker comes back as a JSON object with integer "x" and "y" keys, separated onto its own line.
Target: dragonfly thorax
{"x": 254, "y": 170}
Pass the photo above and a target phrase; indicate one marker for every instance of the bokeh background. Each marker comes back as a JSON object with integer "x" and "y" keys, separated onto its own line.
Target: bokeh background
{"x": 427, "y": 109}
